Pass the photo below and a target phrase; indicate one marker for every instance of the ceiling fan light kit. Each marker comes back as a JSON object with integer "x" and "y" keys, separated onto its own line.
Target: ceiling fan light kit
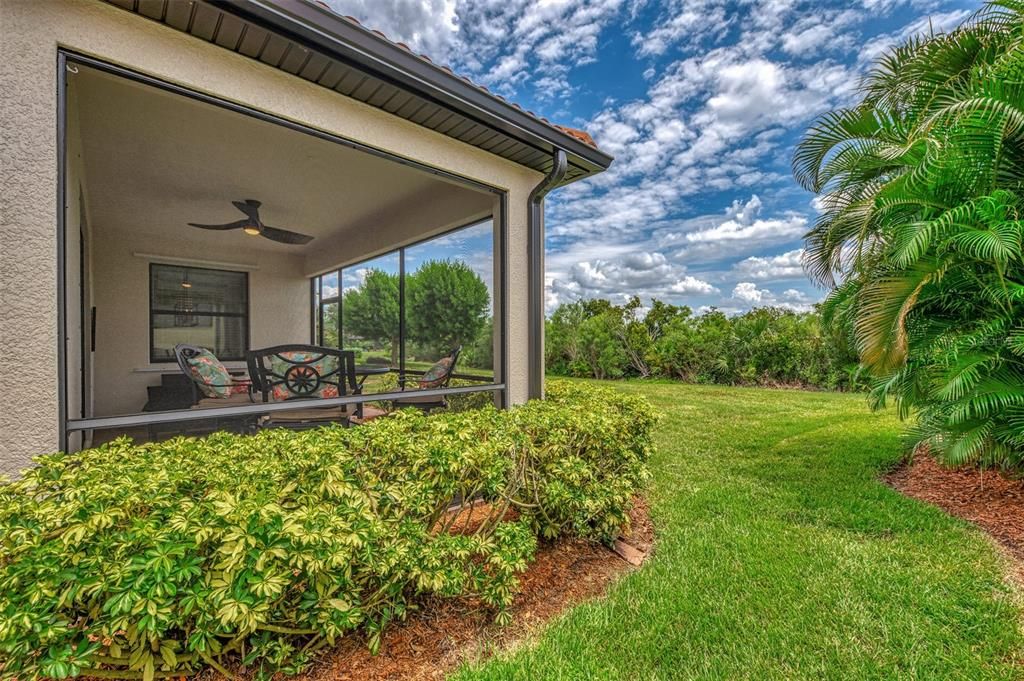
{"x": 253, "y": 226}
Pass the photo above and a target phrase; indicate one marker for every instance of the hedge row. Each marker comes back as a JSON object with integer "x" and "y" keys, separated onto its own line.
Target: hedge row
{"x": 156, "y": 560}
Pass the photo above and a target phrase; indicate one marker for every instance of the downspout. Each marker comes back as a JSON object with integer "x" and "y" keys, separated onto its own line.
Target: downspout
{"x": 535, "y": 272}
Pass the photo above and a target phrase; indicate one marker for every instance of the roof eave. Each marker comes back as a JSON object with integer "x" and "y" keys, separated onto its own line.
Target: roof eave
{"x": 309, "y": 23}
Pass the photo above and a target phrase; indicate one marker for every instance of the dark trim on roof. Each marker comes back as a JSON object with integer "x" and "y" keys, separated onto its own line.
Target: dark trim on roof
{"x": 316, "y": 44}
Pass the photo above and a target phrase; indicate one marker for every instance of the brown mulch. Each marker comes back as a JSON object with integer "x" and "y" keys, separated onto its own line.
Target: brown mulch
{"x": 445, "y": 632}
{"x": 986, "y": 498}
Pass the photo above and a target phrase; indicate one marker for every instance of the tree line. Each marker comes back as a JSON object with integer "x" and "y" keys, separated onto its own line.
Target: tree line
{"x": 766, "y": 346}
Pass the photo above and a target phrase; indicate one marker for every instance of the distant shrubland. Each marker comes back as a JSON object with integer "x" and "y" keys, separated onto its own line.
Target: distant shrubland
{"x": 766, "y": 346}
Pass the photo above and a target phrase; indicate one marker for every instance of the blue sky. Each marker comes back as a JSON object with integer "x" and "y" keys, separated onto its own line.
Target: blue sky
{"x": 700, "y": 101}
{"x": 473, "y": 245}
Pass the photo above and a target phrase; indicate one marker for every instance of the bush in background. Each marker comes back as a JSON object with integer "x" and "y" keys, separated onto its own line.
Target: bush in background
{"x": 764, "y": 346}
{"x": 155, "y": 560}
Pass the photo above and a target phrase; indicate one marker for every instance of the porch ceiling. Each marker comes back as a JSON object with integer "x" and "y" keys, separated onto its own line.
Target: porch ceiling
{"x": 159, "y": 160}
{"x": 311, "y": 42}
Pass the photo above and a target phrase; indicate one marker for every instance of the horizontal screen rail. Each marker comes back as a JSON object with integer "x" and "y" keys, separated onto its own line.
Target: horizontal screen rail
{"x": 256, "y": 408}
{"x": 464, "y": 377}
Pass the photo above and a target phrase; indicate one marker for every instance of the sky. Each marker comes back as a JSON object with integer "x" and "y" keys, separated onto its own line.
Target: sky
{"x": 700, "y": 102}
{"x": 472, "y": 245}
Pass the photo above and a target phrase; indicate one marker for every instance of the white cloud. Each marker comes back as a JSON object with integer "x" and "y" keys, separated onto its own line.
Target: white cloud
{"x": 784, "y": 266}
{"x": 742, "y": 231}
{"x": 724, "y": 86}
{"x": 759, "y": 230}
{"x": 684, "y": 23}
{"x": 707, "y": 122}
{"x": 822, "y": 31}
{"x": 690, "y": 284}
{"x": 744, "y": 222}
{"x": 709, "y": 119}
{"x": 648, "y": 274}
{"x": 504, "y": 44}
{"x": 795, "y": 295}
{"x": 748, "y": 292}
{"x": 429, "y": 26}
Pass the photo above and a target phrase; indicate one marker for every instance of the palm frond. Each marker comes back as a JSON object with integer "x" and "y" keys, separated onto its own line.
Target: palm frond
{"x": 885, "y": 303}
{"x": 921, "y": 238}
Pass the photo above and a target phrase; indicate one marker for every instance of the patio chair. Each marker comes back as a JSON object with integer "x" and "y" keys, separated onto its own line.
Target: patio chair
{"x": 304, "y": 372}
{"x": 436, "y": 376}
{"x": 212, "y": 385}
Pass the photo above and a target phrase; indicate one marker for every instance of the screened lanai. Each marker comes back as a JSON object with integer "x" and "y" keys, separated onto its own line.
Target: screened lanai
{"x": 296, "y": 237}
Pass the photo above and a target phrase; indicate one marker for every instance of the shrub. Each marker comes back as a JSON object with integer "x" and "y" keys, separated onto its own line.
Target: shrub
{"x": 921, "y": 236}
{"x": 468, "y": 401}
{"x": 763, "y": 346}
{"x": 154, "y": 560}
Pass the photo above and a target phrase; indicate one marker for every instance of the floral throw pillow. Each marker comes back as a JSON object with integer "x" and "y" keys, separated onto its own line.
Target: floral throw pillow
{"x": 210, "y": 375}
{"x": 435, "y": 375}
{"x": 304, "y": 375}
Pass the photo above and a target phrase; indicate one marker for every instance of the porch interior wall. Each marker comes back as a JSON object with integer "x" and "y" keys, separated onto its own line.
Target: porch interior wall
{"x": 279, "y": 308}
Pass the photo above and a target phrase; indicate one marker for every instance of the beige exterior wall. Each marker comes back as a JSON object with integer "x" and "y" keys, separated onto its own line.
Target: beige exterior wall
{"x": 33, "y": 31}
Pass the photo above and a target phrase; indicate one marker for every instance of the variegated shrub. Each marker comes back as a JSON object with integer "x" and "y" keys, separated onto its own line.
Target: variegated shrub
{"x": 157, "y": 560}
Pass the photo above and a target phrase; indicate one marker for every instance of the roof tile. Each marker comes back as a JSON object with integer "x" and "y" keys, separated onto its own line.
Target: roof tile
{"x": 581, "y": 135}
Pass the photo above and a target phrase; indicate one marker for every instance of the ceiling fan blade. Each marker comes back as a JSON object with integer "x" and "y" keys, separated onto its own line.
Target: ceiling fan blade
{"x": 250, "y": 207}
{"x": 231, "y": 225}
{"x": 285, "y": 236}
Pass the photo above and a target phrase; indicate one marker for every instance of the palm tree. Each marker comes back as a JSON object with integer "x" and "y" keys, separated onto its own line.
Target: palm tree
{"x": 920, "y": 238}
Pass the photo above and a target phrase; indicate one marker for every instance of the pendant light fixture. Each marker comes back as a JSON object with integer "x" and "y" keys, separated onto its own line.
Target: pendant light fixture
{"x": 184, "y": 308}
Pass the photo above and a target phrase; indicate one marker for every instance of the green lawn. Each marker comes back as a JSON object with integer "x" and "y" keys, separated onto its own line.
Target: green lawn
{"x": 780, "y": 556}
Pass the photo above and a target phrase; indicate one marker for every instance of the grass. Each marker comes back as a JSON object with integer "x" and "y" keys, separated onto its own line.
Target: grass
{"x": 780, "y": 556}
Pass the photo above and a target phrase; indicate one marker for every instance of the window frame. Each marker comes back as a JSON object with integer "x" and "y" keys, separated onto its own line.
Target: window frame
{"x": 318, "y": 303}
{"x": 244, "y": 316}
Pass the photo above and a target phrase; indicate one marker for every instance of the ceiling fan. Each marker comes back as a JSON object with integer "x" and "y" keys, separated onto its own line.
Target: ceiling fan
{"x": 254, "y": 226}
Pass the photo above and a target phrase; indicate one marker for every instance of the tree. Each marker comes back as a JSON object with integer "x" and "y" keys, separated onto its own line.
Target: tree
{"x": 480, "y": 353}
{"x": 562, "y": 340}
{"x": 661, "y": 316}
{"x": 634, "y": 335}
{"x": 588, "y": 338}
{"x": 601, "y": 348}
{"x": 763, "y": 346}
{"x": 371, "y": 311}
{"x": 921, "y": 236}
{"x": 446, "y": 305}
{"x": 330, "y": 326}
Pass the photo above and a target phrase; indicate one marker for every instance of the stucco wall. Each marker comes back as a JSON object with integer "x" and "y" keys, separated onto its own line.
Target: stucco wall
{"x": 28, "y": 56}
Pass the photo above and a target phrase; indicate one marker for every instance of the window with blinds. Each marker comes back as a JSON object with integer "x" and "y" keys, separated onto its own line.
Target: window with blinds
{"x": 198, "y": 306}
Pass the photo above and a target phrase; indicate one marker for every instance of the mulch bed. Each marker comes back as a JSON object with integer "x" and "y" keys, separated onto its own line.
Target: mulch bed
{"x": 445, "y": 632}
{"x": 986, "y": 498}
